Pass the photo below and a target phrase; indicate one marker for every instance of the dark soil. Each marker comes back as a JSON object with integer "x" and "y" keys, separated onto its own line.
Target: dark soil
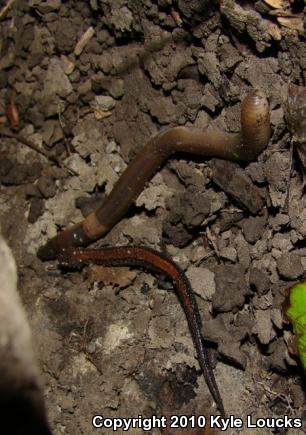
{"x": 116, "y": 342}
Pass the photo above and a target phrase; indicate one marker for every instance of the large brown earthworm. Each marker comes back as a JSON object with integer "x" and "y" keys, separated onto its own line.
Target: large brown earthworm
{"x": 243, "y": 146}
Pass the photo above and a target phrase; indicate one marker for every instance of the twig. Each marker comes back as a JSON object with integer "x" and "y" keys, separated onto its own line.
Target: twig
{"x": 34, "y": 147}
{"x": 6, "y": 8}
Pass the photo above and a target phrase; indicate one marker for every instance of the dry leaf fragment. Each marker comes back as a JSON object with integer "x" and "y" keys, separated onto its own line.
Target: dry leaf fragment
{"x": 101, "y": 114}
{"x": 5, "y": 8}
{"x": 176, "y": 16}
{"x": 12, "y": 112}
{"x": 293, "y": 22}
{"x": 277, "y": 4}
{"x": 83, "y": 41}
{"x": 274, "y": 31}
{"x": 111, "y": 275}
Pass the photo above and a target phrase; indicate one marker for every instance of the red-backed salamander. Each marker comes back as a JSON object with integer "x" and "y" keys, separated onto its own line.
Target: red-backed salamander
{"x": 154, "y": 261}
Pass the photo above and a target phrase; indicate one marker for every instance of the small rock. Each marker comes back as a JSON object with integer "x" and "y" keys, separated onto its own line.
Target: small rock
{"x": 18, "y": 174}
{"x": 46, "y": 186}
{"x": 36, "y": 209}
{"x": 277, "y": 317}
{"x": 290, "y": 266}
{"x": 31, "y": 190}
{"x": 278, "y": 221}
{"x": 298, "y": 394}
{"x": 52, "y": 132}
{"x": 229, "y": 55}
{"x": 104, "y": 102}
{"x": 116, "y": 88}
{"x": 244, "y": 319}
{"x": 228, "y": 219}
{"x": 66, "y": 30}
{"x": 55, "y": 85}
{"x": 198, "y": 253}
{"x": 232, "y": 352}
{"x": 234, "y": 181}
{"x": 260, "y": 280}
{"x": 88, "y": 204}
{"x": 84, "y": 87}
{"x": 142, "y": 231}
{"x": 121, "y": 19}
{"x": 231, "y": 288}
{"x": 36, "y": 49}
{"x": 227, "y": 337}
{"x": 229, "y": 253}
{"x": 210, "y": 99}
{"x": 282, "y": 242}
{"x": 243, "y": 250}
{"x": 297, "y": 209}
{"x": 6, "y": 165}
{"x": 264, "y": 302}
{"x": 155, "y": 194}
{"x": 255, "y": 172}
{"x": 279, "y": 357}
{"x": 208, "y": 65}
{"x": 49, "y": 6}
{"x": 164, "y": 66}
{"x": 67, "y": 65}
{"x": 263, "y": 327}
{"x": 176, "y": 234}
{"x": 253, "y": 227}
{"x": 277, "y": 174}
{"x": 203, "y": 281}
{"x": 164, "y": 109}
{"x": 56, "y": 81}
{"x": 87, "y": 138}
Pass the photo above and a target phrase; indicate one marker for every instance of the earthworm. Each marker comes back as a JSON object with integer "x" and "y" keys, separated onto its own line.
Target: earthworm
{"x": 152, "y": 260}
{"x": 244, "y": 146}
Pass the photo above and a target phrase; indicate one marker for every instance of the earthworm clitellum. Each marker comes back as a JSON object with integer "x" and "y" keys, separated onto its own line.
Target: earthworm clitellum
{"x": 244, "y": 146}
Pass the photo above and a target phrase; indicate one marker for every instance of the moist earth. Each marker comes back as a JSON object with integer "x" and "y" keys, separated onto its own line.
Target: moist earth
{"x": 92, "y": 82}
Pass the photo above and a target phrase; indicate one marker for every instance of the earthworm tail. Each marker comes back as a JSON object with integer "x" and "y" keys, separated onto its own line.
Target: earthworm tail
{"x": 154, "y": 261}
{"x": 243, "y": 146}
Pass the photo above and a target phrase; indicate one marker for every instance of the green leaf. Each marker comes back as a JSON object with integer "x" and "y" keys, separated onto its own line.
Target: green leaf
{"x": 296, "y": 313}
